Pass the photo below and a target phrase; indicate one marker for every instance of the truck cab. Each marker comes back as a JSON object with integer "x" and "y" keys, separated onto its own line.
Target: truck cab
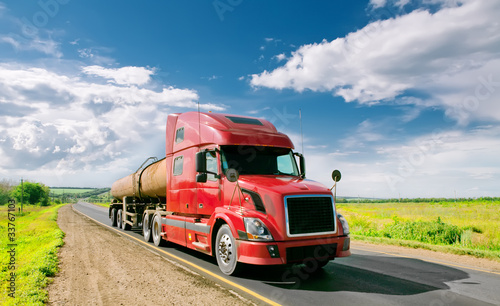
{"x": 273, "y": 213}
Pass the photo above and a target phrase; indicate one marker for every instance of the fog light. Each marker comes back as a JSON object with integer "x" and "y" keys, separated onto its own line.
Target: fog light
{"x": 273, "y": 251}
{"x": 347, "y": 242}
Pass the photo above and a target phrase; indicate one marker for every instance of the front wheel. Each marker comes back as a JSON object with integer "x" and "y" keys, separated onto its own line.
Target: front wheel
{"x": 226, "y": 251}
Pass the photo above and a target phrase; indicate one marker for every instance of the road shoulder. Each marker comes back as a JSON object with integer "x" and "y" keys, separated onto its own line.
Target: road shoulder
{"x": 444, "y": 258}
{"x": 100, "y": 267}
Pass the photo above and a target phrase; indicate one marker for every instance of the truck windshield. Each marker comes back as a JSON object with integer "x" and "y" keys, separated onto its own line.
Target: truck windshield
{"x": 259, "y": 160}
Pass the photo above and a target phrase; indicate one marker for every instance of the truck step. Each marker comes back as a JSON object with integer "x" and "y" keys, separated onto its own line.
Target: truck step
{"x": 201, "y": 246}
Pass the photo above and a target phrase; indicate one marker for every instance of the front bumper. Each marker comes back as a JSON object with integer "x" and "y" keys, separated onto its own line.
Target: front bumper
{"x": 294, "y": 251}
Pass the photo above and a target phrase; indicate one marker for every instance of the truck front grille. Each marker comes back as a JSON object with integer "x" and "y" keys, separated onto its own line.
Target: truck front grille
{"x": 310, "y": 215}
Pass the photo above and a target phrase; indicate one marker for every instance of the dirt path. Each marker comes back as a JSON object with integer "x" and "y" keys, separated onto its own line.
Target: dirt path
{"x": 99, "y": 267}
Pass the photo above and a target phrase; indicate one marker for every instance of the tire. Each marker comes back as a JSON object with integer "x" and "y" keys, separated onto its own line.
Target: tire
{"x": 119, "y": 216}
{"x": 226, "y": 251}
{"x": 156, "y": 231}
{"x": 146, "y": 228}
{"x": 113, "y": 217}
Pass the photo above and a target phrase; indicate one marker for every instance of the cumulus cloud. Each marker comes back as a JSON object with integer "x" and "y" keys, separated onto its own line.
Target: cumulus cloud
{"x": 443, "y": 55}
{"x": 70, "y": 122}
{"x": 436, "y": 164}
{"x": 124, "y": 76}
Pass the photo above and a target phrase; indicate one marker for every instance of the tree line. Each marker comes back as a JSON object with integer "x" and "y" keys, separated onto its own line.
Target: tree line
{"x": 28, "y": 192}
{"x": 38, "y": 193}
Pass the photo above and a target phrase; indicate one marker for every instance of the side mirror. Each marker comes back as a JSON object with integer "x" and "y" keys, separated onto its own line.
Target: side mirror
{"x": 201, "y": 162}
{"x": 201, "y": 178}
{"x": 336, "y": 176}
{"x": 232, "y": 175}
{"x": 302, "y": 164}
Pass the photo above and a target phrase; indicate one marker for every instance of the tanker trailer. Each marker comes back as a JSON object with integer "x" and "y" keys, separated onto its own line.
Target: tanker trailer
{"x": 143, "y": 189}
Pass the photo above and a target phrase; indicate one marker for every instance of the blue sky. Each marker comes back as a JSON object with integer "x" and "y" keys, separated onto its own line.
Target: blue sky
{"x": 402, "y": 96}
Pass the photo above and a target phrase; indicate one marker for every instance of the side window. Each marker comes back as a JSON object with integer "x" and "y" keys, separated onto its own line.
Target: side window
{"x": 179, "y": 135}
{"x": 178, "y": 165}
{"x": 212, "y": 165}
{"x": 284, "y": 164}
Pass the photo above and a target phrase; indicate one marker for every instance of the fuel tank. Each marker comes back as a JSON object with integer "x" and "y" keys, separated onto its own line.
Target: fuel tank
{"x": 148, "y": 182}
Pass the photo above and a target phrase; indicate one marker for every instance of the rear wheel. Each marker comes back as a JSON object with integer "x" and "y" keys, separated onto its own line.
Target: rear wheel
{"x": 113, "y": 217}
{"x": 146, "y": 228}
{"x": 226, "y": 251}
{"x": 156, "y": 230}
{"x": 119, "y": 215}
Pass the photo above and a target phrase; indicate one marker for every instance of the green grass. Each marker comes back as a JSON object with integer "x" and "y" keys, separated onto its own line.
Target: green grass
{"x": 38, "y": 240}
{"x": 101, "y": 204}
{"x": 464, "y": 227}
{"x": 60, "y": 191}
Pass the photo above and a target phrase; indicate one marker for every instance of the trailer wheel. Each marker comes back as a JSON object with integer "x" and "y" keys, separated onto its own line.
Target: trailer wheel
{"x": 119, "y": 215}
{"x": 226, "y": 251}
{"x": 146, "y": 228}
{"x": 156, "y": 230}
{"x": 113, "y": 217}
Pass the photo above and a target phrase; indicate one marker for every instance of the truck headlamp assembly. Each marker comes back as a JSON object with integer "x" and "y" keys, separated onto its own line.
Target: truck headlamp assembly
{"x": 345, "y": 225}
{"x": 256, "y": 230}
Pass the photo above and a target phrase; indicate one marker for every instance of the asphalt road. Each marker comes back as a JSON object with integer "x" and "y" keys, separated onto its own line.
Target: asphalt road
{"x": 368, "y": 277}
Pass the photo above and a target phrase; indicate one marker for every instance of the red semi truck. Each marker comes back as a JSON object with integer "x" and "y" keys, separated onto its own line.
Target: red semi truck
{"x": 230, "y": 187}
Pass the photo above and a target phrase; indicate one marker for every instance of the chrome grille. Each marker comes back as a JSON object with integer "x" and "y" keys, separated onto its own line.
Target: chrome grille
{"x": 310, "y": 215}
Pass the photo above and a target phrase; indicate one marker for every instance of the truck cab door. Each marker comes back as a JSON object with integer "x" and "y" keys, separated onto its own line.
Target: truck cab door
{"x": 209, "y": 193}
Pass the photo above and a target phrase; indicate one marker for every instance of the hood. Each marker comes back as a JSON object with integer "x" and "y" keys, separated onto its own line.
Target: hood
{"x": 272, "y": 189}
{"x": 280, "y": 184}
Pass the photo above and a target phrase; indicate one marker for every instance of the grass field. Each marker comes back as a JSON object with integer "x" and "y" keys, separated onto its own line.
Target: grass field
{"x": 101, "y": 204}
{"x": 466, "y": 227}
{"x": 58, "y": 191}
{"x": 37, "y": 239}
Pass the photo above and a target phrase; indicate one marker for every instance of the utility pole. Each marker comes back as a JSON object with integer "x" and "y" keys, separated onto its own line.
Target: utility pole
{"x": 22, "y": 194}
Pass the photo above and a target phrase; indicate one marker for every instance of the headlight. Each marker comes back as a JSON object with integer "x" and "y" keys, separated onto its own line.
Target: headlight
{"x": 256, "y": 230}
{"x": 345, "y": 225}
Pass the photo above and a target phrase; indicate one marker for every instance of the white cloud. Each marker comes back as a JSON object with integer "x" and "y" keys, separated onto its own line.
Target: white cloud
{"x": 68, "y": 123}
{"x": 47, "y": 46}
{"x": 124, "y": 76}
{"x": 432, "y": 165}
{"x": 85, "y": 53}
{"x": 378, "y": 3}
{"x": 280, "y": 57}
{"x": 442, "y": 55}
{"x": 365, "y": 133}
{"x": 402, "y": 3}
